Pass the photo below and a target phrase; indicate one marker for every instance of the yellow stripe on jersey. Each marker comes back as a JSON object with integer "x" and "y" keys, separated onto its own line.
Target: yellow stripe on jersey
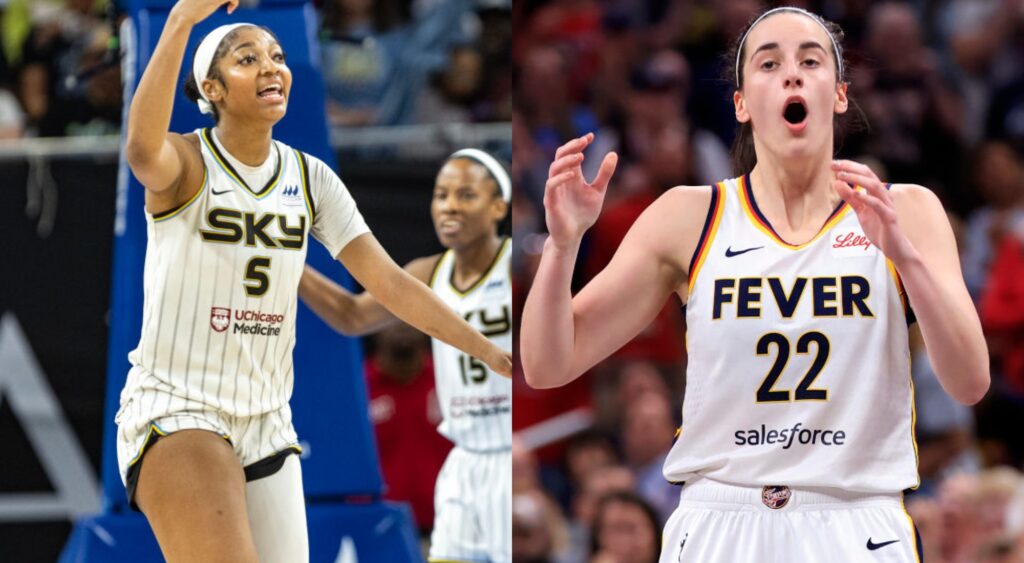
{"x": 898, "y": 282}
{"x": 754, "y": 214}
{"x": 506, "y": 244}
{"x": 715, "y": 211}
{"x": 205, "y": 135}
{"x": 171, "y": 213}
{"x": 307, "y": 194}
{"x": 913, "y": 530}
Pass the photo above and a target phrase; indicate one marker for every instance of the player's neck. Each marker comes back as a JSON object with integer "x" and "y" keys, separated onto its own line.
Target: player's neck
{"x": 249, "y": 143}
{"x": 793, "y": 192}
{"x": 474, "y": 259}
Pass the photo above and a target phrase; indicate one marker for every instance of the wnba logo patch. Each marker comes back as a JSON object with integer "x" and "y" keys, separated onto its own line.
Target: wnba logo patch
{"x": 775, "y": 497}
{"x": 220, "y": 318}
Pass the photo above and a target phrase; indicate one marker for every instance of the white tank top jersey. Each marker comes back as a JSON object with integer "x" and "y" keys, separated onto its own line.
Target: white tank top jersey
{"x": 221, "y": 281}
{"x": 799, "y": 362}
{"x": 476, "y": 403}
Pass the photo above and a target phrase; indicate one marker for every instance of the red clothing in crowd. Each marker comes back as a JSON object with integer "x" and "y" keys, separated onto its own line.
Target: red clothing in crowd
{"x": 1002, "y": 310}
{"x": 663, "y": 340}
{"x": 405, "y": 418}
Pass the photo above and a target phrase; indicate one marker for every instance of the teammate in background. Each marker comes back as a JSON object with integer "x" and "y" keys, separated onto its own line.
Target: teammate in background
{"x": 204, "y": 428}
{"x": 797, "y": 437}
{"x": 472, "y": 496}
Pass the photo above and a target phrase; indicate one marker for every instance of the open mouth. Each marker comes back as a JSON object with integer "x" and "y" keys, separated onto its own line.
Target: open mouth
{"x": 795, "y": 112}
{"x": 271, "y": 92}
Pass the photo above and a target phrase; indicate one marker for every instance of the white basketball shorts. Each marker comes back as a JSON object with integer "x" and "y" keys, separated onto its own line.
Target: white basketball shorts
{"x": 719, "y": 523}
{"x": 473, "y": 508}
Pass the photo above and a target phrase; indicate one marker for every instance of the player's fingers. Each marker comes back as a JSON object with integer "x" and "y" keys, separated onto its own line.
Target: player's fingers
{"x": 564, "y": 163}
{"x": 849, "y": 195}
{"x": 560, "y": 179}
{"x": 604, "y": 174}
{"x": 232, "y": 6}
{"x": 885, "y": 212}
{"x": 869, "y": 183}
{"x": 575, "y": 145}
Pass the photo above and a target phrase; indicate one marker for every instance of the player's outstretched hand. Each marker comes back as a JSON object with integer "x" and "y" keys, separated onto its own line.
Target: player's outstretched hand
{"x": 501, "y": 363}
{"x": 195, "y": 11}
{"x": 874, "y": 208}
{"x": 571, "y": 205}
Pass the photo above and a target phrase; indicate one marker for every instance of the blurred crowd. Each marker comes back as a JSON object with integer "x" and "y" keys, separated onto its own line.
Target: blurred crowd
{"x": 938, "y": 92}
{"x": 386, "y": 62}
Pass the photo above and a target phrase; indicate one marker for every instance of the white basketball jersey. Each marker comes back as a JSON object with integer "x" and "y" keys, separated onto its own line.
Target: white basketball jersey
{"x": 221, "y": 280}
{"x": 799, "y": 365}
{"x": 476, "y": 403}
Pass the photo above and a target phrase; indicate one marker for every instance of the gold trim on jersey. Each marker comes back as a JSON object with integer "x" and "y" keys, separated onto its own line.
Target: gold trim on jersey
{"x": 174, "y": 212}
{"x": 715, "y": 211}
{"x": 913, "y": 529}
{"x": 307, "y": 193}
{"x": 759, "y": 221}
{"x": 206, "y": 135}
{"x": 437, "y": 268}
{"x": 506, "y": 243}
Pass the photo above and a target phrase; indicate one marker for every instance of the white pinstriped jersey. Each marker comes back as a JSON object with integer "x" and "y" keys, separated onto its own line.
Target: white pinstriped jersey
{"x": 799, "y": 364}
{"x": 476, "y": 403}
{"x": 221, "y": 281}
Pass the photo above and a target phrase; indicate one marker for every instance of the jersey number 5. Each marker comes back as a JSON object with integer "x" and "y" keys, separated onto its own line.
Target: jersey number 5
{"x": 766, "y": 393}
{"x": 256, "y": 280}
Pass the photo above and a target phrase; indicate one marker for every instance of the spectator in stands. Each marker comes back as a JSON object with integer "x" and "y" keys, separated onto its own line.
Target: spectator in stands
{"x": 63, "y": 86}
{"x": 626, "y": 530}
{"x": 647, "y": 436}
{"x": 915, "y": 117}
{"x": 596, "y": 484}
{"x": 999, "y": 178}
{"x": 405, "y": 413}
{"x": 1002, "y": 313}
{"x": 539, "y": 532}
{"x": 376, "y": 62}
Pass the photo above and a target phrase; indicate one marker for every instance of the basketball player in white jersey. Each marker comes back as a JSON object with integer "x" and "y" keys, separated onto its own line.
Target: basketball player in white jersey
{"x": 204, "y": 429}
{"x": 472, "y": 497}
{"x": 797, "y": 433}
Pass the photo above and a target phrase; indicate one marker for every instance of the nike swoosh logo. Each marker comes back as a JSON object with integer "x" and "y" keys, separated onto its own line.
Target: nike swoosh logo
{"x": 873, "y": 546}
{"x": 729, "y": 252}
{"x": 215, "y": 192}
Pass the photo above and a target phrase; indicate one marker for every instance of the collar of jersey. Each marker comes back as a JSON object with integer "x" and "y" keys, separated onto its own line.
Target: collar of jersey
{"x": 222, "y": 162}
{"x": 462, "y": 293}
{"x": 752, "y": 212}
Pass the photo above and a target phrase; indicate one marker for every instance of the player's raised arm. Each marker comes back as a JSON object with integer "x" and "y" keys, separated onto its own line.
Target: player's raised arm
{"x": 349, "y": 313}
{"x": 157, "y": 157}
{"x": 561, "y": 336}
{"x": 412, "y": 301}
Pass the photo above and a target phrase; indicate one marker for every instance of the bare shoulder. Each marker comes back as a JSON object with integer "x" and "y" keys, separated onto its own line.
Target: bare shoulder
{"x": 423, "y": 268}
{"x": 675, "y": 220}
{"x": 917, "y": 206}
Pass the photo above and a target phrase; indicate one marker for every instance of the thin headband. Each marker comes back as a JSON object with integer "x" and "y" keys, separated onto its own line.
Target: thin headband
{"x": 204, "y": 58}
{"x": 492, "y": 165}
{"x": 817, "y": 19}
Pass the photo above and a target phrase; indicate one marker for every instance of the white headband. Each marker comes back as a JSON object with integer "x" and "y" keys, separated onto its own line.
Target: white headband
{"x": 204, "y": 58}
{"x": 492, "y": 165}
{"x": 817, "y": 19}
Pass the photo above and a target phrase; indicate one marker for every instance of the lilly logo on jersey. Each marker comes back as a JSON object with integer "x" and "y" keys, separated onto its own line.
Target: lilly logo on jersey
{"x": 851, "y": 239}
{"x": 220, "y": 318}
{"x": 291, "y": 195}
